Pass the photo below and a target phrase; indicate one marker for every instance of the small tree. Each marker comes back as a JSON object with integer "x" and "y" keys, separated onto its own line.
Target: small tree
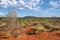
{"x": 11, "y": 19}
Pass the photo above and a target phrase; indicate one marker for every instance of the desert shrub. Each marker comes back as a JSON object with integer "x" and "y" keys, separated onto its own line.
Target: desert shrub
{"x": 54, "y": 29}
{"x": 32, "y": 31}
{"x": 35, "y": 32}
{"x": 47, "y": 26}
{"x": 39, "y": 31}
{"x": 24, "y": 26}
{"x": 5, "y": 35}
{"x": 15, "y": 34}
{"x": 34, "y": 24}
{"x": 58, "y": 28}
{"x": 8, "y": 35}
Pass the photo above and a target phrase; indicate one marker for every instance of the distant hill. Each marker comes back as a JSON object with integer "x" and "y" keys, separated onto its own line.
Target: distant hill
{"x": 30, "y": 17}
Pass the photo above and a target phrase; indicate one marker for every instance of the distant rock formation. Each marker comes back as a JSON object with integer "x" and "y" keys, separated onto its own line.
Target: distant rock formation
{"x": 30, "y": 17}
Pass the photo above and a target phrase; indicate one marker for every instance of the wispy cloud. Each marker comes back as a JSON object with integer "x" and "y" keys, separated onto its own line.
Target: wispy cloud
{"x": 36, "y": 6}
{"x": 54, "y": 7}
{"x": 55, "y": 4}
{"x": 21, "y": 4}
{"x": 21, "y": 8}
{"x": 3, "y": 3}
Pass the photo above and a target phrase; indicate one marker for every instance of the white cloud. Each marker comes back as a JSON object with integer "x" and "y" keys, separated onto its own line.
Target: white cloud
{"x": 21, "y": 8}
{"x": 12, "y": 2}
{"x": 3, "y": 3}
{"x": 36, "y": 9}
{"x": 3, "y": 0}
{"x": 34, "y": 3}
{"x": 1, "y": 14}
{"x": 29, "y": 7}
{"x": 55, "y": 4}
{"x": 31, "y": 4}
{"x": 21, "y": 4}
{"x": 54, "y": 7}
{"x": 6, "y": 3}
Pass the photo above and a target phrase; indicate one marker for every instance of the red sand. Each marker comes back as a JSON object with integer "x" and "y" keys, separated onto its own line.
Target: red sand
{"x": 41, "y": 36}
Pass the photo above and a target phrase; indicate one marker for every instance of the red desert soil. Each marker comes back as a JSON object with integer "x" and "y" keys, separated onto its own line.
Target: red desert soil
{"x": 41, "y": 36}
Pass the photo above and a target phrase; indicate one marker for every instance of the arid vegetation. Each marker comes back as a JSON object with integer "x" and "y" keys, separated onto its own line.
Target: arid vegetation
{"x": 34, "y": 28}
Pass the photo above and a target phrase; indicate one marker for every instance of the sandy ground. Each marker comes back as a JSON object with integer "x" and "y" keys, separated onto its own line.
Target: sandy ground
{"x": 46, "y": 35}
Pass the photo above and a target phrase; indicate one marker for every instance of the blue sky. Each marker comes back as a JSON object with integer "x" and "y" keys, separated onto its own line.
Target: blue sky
{"x": 39, "y": 8}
